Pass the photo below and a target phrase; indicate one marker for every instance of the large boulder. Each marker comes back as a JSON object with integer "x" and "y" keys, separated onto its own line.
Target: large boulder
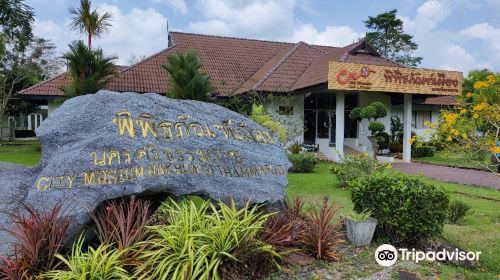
{"x": 109, "y": 145}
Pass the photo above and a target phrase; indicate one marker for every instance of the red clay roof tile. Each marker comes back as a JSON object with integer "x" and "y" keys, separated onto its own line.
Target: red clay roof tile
{"x": 235, "y": 65}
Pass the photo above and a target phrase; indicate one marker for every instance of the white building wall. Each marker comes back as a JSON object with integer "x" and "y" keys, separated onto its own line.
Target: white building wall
{"x": 366, "y": 98}
{"x": 295, "y": 122}
{"x": 435, "y": 117}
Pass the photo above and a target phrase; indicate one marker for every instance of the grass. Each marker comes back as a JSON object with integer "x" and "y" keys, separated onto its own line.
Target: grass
{"x": 20, "y": 152}
{"x": 448, "y": 158}
{"x": 479, "y": 231}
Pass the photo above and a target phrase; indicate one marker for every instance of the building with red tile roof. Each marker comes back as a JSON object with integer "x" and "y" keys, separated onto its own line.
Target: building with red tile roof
{"x": 238, "y": 66}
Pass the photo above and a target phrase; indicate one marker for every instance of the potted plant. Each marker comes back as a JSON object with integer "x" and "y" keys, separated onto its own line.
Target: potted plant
{"x": 360, "y": 228}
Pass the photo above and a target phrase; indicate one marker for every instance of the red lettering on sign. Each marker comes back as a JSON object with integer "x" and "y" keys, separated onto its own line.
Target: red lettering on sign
{"x": 344, "y": 76}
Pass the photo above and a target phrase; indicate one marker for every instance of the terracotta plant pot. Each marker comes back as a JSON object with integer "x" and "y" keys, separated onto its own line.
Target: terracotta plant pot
{"x": 360, "y": 233}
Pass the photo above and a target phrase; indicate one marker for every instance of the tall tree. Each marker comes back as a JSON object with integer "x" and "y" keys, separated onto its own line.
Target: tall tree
{"x": 16, "y": 19}
{"x": 89, "y": 69}
{"x": 390, "y": 40}
{"x": 187, "y": 81}
{"x": 89, "y": 21}
{"x": 21, "y": 69}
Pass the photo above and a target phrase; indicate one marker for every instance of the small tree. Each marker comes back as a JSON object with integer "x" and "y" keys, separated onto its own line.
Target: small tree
{"x": 89, "y": 70}
{"x": 474, "y": 125}
{"x": 372, "y": 112}
{"x": 187, "y": 81}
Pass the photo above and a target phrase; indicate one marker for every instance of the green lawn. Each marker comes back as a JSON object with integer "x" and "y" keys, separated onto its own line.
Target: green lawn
{"x": 479, "y": 231}
{"x": 21, "y": 152}
{"x": 451, "y": 159}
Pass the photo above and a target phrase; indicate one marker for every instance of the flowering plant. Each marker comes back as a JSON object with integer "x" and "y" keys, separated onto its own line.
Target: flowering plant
{"x": 474, "y": 125}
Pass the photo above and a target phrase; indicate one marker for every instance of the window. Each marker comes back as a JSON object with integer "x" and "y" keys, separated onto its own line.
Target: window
{"x": 420, "y": 118}
{"x": 285, "y": 110}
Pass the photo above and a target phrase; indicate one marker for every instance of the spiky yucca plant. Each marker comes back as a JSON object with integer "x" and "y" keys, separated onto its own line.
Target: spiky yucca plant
{"x": 100, "y": 263}
{"x": 198, "y": 239}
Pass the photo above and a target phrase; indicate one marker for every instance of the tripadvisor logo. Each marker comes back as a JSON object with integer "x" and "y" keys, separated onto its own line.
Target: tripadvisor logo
{"x": 387, "y": 255}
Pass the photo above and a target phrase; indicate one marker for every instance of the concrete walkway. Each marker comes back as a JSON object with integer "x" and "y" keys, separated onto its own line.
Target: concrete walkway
{"x": 450, "y": 174}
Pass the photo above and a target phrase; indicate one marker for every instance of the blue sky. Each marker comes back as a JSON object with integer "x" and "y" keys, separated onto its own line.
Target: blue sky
{"x": 452, "y": 34}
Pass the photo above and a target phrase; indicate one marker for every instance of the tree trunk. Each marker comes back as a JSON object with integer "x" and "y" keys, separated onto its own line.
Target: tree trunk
{"x": 89, "y": 41}
{"x": 373, "y": 141}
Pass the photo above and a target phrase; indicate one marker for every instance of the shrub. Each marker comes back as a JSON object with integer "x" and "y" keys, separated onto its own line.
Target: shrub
{"x": 355, "y": 167}
{"x": 39, "y": 237}
{"x": 199, "y": 239}
{"x": 408, "y": 209}
{"x": 295, "y": 147}
{"x": 100, "y": 263}
{"x": 457, "y": 210}
{"x": 302, "y": 163}
{"x": 319, "y": 236}
{"x": 122, "y": 224}
{"x": 383, "y": 140}
{"x": 396, "y": 147}
{"x": 422, "y": 151}
{"x": 376, "y": 127}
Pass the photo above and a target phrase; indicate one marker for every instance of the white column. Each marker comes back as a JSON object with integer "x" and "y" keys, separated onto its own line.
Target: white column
{"x": 407, "y": 115}
{"x": 29, "y": 122}
{"x": 36, "y": 121}
{"x": 339, "y": 125}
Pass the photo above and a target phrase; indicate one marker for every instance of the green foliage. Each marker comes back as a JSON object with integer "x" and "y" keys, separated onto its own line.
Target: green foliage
{"x": 261, "y": 116}
{"x": 100, "y": 263}
{"x": 408, "y": 209}
{"x": 383, "y": 140}
{"x": 355, "y": 167}
{"x": 376, "y": 127}
{"x": 186, "y": 80}
{"x": 390, "y": 40}
{"x": 88, "y": 21}
{"x": 16, "y": 19}
{"x": 197, "y": 240}
{"x": 368, "y": 112}
{"x": 422, "y": 151}
{"x": 89, "y": 70}
{"x": 359, "y": 217}
{"x": 355, "y": 114}
{"x": 302, "y": 163}
{"x": 397, "y": 130}
{"x": 457, "y": 211}
{"x": 472, "y": 77}
{"x": 295, "y": 147}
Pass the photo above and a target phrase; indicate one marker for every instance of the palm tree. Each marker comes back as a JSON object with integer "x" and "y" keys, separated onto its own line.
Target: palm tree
{"x": 89, "y": 69}
{"x": 185, "y": 77}
{"x": 88, "y": 21}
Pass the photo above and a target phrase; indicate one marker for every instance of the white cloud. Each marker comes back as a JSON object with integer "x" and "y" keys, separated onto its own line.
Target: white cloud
{"x": 439, "y": 47}
{"x": 267, "y": 19}
{"x": 139, "y": 32}
{"x": 258, "y": 19}
{"x": 488, "y": 36}
{"x": 338, "y": 36}
{"x": 179, "y": 6}
{"x": 457, "y": 57}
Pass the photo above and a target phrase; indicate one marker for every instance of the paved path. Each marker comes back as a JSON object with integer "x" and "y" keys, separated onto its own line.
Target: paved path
{"x": 450, "y": 174}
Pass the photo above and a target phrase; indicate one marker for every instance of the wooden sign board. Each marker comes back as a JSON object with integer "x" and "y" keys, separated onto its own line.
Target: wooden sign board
{"x": 366, "y": 77}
